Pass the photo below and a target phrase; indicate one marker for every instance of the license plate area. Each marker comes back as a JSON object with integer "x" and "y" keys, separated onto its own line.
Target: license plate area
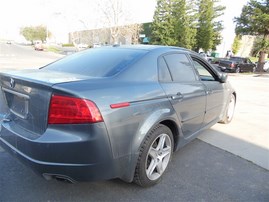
{"x": 17, "y": 103}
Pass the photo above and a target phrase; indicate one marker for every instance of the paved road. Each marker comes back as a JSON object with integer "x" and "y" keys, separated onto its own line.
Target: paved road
{"x": 201, "y": 171}
{"x": 20, "y": 57}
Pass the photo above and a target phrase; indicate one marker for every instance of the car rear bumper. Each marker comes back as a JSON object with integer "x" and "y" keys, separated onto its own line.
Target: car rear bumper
{"x": 74, "y": 157}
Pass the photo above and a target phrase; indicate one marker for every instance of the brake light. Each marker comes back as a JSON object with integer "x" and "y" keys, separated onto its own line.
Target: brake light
{"x": 70, "y": 110}
{"x": 232, "y": 65}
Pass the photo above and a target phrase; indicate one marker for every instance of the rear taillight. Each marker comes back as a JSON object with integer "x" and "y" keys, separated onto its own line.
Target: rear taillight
{"x": 70, "y": 110}
{"x": 232, "y": 65}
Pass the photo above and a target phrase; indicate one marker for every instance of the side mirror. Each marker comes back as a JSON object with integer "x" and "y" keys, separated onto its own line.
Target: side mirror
{"x": 223, "y": 77}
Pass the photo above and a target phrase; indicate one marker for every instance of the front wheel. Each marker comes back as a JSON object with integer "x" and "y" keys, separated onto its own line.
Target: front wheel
{"x": 228, "y": 116}
{"x": 155, "y": 154}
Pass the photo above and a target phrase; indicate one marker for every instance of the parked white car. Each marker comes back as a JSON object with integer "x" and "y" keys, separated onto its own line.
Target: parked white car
{"x": 266, "y": 66}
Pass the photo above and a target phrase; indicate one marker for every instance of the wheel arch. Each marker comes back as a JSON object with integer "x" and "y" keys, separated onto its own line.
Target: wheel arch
{"x": 174, "y": 129}
{"x": 171, "y": 121}
{"x": 234, "y": 93}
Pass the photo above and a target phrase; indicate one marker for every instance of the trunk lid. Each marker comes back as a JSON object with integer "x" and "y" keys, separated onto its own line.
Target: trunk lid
{"x": 25, "y": 98}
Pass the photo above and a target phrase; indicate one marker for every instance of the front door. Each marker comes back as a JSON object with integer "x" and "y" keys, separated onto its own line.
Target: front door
{"x": 215, "y": 93}
{"x": 185, "y": 92}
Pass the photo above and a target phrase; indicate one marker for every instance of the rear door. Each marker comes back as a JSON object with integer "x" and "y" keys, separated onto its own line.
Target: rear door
{"x": 215, "y": 91}
{"x": 185, "y": 92}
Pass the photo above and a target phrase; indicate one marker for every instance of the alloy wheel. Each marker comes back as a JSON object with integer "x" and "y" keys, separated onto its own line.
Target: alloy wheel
{"x": 231, "y": 108}
{"x": 158, "y": 156}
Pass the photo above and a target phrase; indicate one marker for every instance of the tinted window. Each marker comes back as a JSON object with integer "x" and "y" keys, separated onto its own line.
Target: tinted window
{"x": 164, "y": 74}
{"x": 237, "y": 59}
{"x": 99, "y": 62}
{"x": 180, "y": 67}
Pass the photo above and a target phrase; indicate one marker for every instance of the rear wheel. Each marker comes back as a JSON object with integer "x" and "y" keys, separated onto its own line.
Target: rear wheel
{"x": 154, "y": 157}
{"x": 229, "y": 111}
{"x": 237, "y": 70}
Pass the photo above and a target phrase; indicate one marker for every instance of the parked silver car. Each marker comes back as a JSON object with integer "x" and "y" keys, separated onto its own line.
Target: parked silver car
{"x": 111, "y": 112}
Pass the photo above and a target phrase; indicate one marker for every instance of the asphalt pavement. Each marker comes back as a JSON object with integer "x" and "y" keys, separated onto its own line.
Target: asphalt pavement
{"x": 198, "y": 172}
{"x": 227, "y": 162}
{"x": 14, "y": 56}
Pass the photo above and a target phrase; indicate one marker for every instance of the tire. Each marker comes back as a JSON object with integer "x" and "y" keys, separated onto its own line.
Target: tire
{"x": 154, "y": 156}
{"x": 229, "y": 113}
{"x": 237, "y": 70}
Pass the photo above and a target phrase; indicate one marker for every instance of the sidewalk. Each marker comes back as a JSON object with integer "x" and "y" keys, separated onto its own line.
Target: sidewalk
{"x": 248, "y": 134}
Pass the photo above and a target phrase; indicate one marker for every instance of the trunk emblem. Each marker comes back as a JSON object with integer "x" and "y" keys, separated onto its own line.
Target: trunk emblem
{"x": 12, "y": 83}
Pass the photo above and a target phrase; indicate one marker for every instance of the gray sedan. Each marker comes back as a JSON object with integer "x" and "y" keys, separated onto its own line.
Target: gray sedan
{"x": 111, "y": 112}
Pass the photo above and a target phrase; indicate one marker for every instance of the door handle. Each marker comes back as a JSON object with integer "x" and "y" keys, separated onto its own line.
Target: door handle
{"x": 178, "y": 96}
{"x": 5, "y": 120}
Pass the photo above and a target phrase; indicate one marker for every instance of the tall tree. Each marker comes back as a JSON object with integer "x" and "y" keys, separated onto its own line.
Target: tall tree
{"x": 116, "y": 15}
{"x": 254, "y": 20}
{"x": 163, "y": 25}
{"x": 259, "y": 45}
{"x": 208, "y": 30}
{"x": 185, "y": 30}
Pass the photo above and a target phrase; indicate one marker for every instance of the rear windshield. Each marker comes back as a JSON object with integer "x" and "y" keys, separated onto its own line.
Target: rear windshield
{"x": 236, "y": 59}
{"x": 97, "y": 62}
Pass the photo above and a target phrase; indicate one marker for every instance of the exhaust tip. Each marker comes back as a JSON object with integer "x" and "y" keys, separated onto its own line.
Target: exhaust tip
{"x": 62, "y": 178}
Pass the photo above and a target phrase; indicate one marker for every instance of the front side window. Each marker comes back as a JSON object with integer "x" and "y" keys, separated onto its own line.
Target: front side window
{"x": 204, "y": 74}
{"x": 180, "y": 67}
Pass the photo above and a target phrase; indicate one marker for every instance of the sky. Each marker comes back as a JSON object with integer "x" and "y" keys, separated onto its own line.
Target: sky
{"x": 63, "y": 16}
{"x": 233, "y": 9}
{"x": 70, "y": 15}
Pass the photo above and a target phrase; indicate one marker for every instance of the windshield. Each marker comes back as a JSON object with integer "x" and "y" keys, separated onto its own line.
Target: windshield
{"x": 98, "y": 62}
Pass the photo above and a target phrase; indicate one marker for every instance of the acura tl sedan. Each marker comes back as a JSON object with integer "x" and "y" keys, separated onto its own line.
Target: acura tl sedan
{"x": 111, "y": 112}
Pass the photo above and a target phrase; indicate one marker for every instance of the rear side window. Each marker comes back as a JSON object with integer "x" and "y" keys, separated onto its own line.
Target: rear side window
{"x": 180, "y": 67}
{"x": 97, "y": 62}
{"x": 164, "y": 74}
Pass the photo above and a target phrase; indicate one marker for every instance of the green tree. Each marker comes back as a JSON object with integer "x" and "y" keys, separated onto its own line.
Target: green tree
{"x": 163, "y": 25}
{"x": 236, "y": 44}
{"x": 217, "y": 38}
{"x": 32, "y": 33}
{"x": 259, "y": 45}
{"x": 185, "y": 30}
{"x": 208, "y": 29}
{"x": 254, "y": 20}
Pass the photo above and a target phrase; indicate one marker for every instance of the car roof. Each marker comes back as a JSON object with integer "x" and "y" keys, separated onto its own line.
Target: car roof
{"x": 158, "y": 49}
{"x": 150, "y": 47}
